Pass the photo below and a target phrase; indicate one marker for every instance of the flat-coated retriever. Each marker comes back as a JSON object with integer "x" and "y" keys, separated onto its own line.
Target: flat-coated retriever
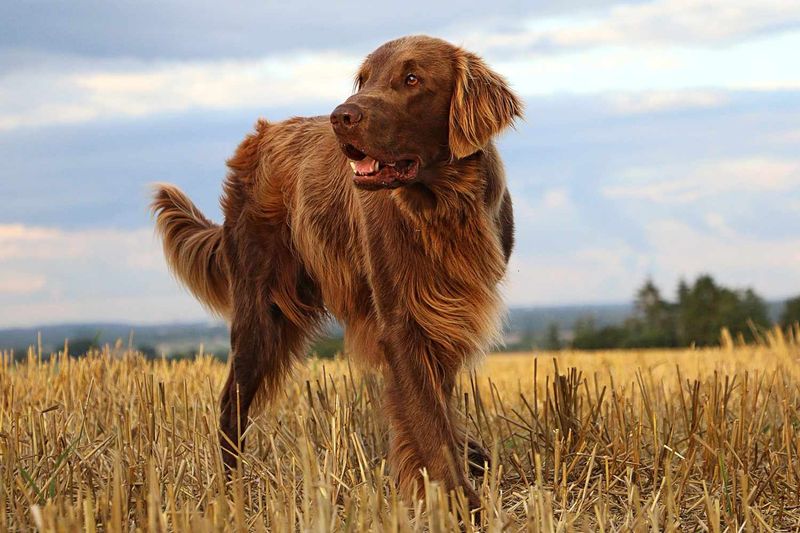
{"x": 392, "y": 214}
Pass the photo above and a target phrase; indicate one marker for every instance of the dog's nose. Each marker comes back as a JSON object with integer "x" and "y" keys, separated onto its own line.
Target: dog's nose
{"x": 345, "y": 117}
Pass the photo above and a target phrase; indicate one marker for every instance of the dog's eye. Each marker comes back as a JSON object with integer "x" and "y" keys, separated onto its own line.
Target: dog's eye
{"x": 411, "y": 80}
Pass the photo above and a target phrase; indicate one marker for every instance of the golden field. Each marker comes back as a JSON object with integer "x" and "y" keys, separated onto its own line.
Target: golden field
{"x": 693, "y": 439}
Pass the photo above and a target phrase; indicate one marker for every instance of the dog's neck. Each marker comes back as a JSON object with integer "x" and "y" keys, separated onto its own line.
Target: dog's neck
{"x": 456, "y": 190}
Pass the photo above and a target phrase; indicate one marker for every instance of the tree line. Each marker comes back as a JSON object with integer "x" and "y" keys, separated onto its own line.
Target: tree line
{"x": 696, "y": 317}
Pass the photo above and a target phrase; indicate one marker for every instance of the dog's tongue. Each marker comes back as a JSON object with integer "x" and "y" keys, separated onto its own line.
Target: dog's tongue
{"x": 365, "y": 165}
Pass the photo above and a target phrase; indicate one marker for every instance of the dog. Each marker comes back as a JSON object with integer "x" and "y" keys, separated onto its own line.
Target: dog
{"x": 392, "y": 215}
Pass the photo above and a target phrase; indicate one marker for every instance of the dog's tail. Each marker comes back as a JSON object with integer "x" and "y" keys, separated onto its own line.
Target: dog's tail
{"x": 193, "y": 247}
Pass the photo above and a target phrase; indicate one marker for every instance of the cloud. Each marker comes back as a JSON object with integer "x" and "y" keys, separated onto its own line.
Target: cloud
{"x": 136, "y": 89}
{"x": 790, "y": 137}
{"x": 718, "y": 224}
{"x": 78, "y": 217}
{"x": 654, "y": 56}
{"x": 663, "y": 68}
{"x": 173, "y": 29}
{"x": 691, "y": 183}
{"x": 20, "y": 282}
{"x": 557, "y": 198}
{"x": 611, "y": 270}
{"x": 537, "y": 207}
{"x": 772, "y": 266}
{"x": 599, "y": 273}
{"x": 660, "y": 101}
{"x": 661, "y": 22}
{"x": 693, "y": 21}
{"x": 129, "y": 248}
{"x": 53, "y": 275}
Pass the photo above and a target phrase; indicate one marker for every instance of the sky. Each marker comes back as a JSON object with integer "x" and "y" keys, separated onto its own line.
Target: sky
{"x": 661, "y": 138}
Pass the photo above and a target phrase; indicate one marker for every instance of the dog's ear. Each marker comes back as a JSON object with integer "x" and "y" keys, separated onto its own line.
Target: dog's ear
{"x": 482, "y": 105}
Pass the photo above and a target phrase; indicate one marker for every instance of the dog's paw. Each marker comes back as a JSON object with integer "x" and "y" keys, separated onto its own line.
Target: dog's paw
{"x": 477, "y": 458}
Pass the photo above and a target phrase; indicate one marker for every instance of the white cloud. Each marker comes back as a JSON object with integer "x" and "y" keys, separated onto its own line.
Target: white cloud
{"x": 556, "y": 199}
{"x": 685, "y": 184}
{"x": 787, "y": 137}
{"x": 650, "y": 57}
{"x": 552, "y": 202}
{"x": 664, "y": 69}
{"x": 611, "y": 271}
{"x": 717, "y": 222}
{"x": 670, "y": 22}
{"x": 12, "y": 233}
{"x": 56, "y": 275}
{"x": 771, "y": 266}
{"x": 148, "y": 308}
{"x": 134, "y": 89}
{"x": 658, "y": 101}
{"x": 20, "y": 282}
{"x": 606, "y": 272}
{"x": 134, "y": 248}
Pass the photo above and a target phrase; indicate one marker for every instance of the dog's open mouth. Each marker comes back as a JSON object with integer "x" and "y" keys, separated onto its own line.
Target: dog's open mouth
{"x": 370, "y": 173}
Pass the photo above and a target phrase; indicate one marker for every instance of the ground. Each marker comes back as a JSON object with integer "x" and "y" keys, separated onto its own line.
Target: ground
{"x": 620, "y": 440}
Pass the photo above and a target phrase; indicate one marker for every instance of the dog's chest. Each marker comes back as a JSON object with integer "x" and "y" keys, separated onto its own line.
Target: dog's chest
{"x": 327, "y": 235}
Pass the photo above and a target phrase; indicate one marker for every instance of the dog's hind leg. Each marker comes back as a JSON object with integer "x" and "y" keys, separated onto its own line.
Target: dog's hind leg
{"x": 263, "y": 351}
{"x": 272, "y": 319}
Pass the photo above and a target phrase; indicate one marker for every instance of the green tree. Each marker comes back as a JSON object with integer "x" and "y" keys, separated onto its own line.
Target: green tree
{"x": 328, "y": 347}
{"x": 82, "y": 346}
{"x": 653, "y": 322}
{"x": 791, "y": 312}
{"x": 552, "y": 339}
{"x": 705, "y": 308}
{"x": 588, "y": 337}
{"x": 702, "y": 310}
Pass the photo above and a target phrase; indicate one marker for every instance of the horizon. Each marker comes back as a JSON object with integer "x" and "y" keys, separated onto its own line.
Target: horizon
{"x": 660, "y": 141}
{"x": 211, "y": 320}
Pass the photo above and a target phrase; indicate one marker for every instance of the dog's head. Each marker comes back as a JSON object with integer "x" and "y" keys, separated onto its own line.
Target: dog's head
{"x": 420, "y": 102}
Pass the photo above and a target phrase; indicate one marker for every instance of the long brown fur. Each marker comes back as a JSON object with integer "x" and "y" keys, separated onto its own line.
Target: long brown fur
{"x": 411, "y": 272}
{"x": 192, "y": 246}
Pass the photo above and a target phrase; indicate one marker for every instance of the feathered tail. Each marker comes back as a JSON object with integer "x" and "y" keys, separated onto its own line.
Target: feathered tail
{"x": 193, "y": 247}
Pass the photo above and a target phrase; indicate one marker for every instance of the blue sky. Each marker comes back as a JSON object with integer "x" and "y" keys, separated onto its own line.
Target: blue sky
{"x": 661, "y": 138}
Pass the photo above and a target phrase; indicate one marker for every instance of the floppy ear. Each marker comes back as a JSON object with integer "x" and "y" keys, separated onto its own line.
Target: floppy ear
{"x": 482, "y": 105}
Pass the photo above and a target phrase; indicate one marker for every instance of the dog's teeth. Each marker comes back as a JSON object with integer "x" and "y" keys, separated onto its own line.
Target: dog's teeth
{"x": 392, "y": 164}
{"x": 376, "y": 166}
{"x": 353, "y": 165}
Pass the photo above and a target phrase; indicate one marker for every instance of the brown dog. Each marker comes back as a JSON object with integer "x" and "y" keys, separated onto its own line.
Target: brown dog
{"x": 393, "y": 215}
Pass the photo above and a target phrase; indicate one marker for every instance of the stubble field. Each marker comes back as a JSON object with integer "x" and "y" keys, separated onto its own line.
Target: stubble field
{"x": 703, "y": 439}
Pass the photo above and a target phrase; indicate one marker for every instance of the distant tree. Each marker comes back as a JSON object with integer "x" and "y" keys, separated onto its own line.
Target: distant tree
{"x": 552, "y": 339}
{"x": 702, "y": 310}
{"x": 148, "y": 351}
{"x": 751, "y": 309}
{"x": 589, "y": 337}
{"x": 605, "y": 338}
{"x": 653, "y": 322}
{"x": 649, "y": 304}
{"x": 523, "y": 342}
{"x": 221, "y": 355}
{"x": 327, "y": 348}
{"x": 705, "y": 308}
{"x": 80, "y": 347}
{"x": 791, "y": 312}
{"x": 584, "y": 328}
{"x": 683, "y": 289}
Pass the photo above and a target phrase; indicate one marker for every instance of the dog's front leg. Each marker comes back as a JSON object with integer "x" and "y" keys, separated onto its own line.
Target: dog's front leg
{"x": 418, "y": 386}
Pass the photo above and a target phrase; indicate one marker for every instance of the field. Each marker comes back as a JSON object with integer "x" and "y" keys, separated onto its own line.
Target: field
{"x": 605, "y": 441}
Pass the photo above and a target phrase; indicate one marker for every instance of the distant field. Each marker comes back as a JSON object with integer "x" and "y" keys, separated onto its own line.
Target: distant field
{"x": 621, "y": 440}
